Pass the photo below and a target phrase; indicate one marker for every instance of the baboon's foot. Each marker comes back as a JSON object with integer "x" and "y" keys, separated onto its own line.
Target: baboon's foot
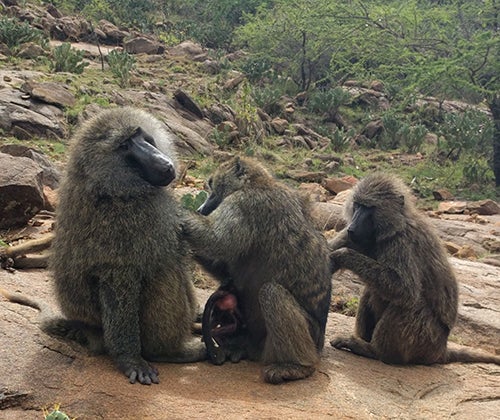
{"x": 278, "y": 373}
{"x": 340, "y": 342}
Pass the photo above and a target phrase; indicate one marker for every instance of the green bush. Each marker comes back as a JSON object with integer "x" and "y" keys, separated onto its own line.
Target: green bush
{"x": 471, "y": 131}
{"x": 121, "y": 63}
{"x": 68, "y": 59}
{"x": 14, "y": 33}
{"x": 328, "y": 101}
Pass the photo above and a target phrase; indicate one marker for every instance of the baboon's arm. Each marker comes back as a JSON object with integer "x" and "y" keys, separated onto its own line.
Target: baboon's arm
{"x": 387, "y": 281}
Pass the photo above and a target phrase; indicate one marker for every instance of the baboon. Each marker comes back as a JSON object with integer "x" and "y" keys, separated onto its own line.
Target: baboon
{"x": 410, "y": 300}
{"x": 258, "y": 235}
{"x": 121, "y": 268}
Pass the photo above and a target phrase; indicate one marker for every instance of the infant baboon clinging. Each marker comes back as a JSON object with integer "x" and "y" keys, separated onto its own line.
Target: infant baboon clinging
{"x": 121, "y": 270}
{"x": 410, "y": 300}
{"x": 258, "y": 233}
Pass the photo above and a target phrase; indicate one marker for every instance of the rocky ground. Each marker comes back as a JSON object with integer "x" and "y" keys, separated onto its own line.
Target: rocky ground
{"x": 39, "y": 371}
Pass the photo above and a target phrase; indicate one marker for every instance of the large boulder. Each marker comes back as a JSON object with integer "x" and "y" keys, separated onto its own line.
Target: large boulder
{"x": 21, "y": 191}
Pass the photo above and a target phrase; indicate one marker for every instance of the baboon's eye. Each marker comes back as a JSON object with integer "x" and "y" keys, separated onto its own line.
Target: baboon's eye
{"x": 125, "y": 145}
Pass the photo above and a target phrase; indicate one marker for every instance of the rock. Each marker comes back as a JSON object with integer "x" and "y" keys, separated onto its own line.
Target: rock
{"x": 50, "y": 198}
{"x": 336, "y": 185}
{"x": 111, "y": 34}
{"x": 452, "y": 207}
{"x": 50, "y": 92}
{"x": 279, "y": 125}
{"x": 344, "y": 386}
{"x": 211, "y": 67}
{"x": 21, "y": 193}
{"x": 373, "y": 129}
{"x": 187, "y": 102}
{"x": 218, "y": 112}
{"x": 188, "y": 49}
{"x": 377, "y": 85}
{"x": 306, "y": 176}
{"x": 30, "y": 50}
{"x": 30, "y": 118}
{"x": 442, "y": 195}
{"x": 328, "y": 216}
{"x": 451, "y": 247}
{"x": 143, "y": 45}
{"x": 50, "y": 175}
{"x": 235, "y": 81}
{"x": 484, "y": 207}
{"x": 69, "y": 28}
{"x": 467, "y": 252}
{"x": 314, "y": 191}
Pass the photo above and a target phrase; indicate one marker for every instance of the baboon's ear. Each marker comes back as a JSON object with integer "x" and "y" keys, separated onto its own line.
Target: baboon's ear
{"x": 239, "y": 167}
{"x": 401, "y": 200}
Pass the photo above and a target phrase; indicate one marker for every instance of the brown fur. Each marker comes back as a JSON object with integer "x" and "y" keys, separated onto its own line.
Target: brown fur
{"x": 261, "y": 234}
{"x": 410, "y": 301}
{"x": 121, "y": 270}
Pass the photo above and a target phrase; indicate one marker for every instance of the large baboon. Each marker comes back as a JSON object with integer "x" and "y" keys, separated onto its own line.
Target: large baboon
{"x": 121, "y": 270}
{"x": 410, "y": 300}
{"x": 258, "y": 234}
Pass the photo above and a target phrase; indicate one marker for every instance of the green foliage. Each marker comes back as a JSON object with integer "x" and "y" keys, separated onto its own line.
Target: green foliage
{"x": 68, "y": 59}
{"x": 328, "y": 101}
{"x": 397, "y": 133}
{"x": 210, "y": 22}
{"x": 13, "y": 33}
{"x": 471, "y": 130}
{"x": 267, "y": 98}
{"x": 341, "y": 139}
{"x": 193, "y": 202}
{"x": 256, "y": 67}
{"x": 121, "y": 63}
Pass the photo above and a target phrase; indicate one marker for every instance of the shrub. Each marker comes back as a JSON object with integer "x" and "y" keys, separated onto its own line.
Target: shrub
{"x": 121, "y": 63}
{"x": 14, "y": 33}
{"x": 328, "y": 101}
{"x": 68, "y": 59}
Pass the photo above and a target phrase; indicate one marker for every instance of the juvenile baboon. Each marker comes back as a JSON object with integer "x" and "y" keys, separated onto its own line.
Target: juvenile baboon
{"x": 258, "y": 234}
{"x": 121, "y": 269}
{"x": 410, "y": 300}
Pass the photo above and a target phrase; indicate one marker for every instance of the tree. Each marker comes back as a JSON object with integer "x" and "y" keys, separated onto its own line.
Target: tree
{"x": 447, "y": 48}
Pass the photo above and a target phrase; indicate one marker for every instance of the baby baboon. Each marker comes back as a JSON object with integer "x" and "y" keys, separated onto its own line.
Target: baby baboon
{"x": 259, "y": 234}
{"x": 120, "y": 267}
{"x": 410, "y": 301}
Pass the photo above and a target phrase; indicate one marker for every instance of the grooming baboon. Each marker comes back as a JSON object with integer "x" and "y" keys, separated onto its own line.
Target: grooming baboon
{"x": 410, "y": 300}
{"x": 258, "y": 234}
{"x": 122, "y": 273}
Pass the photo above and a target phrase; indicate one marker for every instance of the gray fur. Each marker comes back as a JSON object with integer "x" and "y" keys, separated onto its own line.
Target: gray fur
{"x": 261, "y": 232}
{"x": 119, "y": 263}
{"x": 410, "y": 301}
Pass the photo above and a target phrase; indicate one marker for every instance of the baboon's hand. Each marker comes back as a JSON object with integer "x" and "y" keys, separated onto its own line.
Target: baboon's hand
{"x": 137, "y": 369}
{"x": 338, "y": 258}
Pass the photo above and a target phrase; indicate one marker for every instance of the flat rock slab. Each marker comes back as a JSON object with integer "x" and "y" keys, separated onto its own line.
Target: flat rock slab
{"x": 39, "y": 371}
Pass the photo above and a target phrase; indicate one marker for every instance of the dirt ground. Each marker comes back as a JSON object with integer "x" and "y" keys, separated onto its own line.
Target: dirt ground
{"x": 39, "y": 371}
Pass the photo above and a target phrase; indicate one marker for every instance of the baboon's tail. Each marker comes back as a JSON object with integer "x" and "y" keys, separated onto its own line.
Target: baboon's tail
{"x": 55, "y": 325}
{"x": 471, "y": 356}
{"x": 26, "y": 301}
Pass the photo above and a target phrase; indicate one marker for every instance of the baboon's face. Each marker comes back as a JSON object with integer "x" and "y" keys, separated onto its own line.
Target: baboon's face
{"x": 361, "y": 230}
{"x": 228, "y": 179}
{"x": 141, "y": 154}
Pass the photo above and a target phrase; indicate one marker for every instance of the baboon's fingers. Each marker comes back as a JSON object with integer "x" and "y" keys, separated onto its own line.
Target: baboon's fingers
{"x": 340, "y": 342}
{"x": 278, "y": 373}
